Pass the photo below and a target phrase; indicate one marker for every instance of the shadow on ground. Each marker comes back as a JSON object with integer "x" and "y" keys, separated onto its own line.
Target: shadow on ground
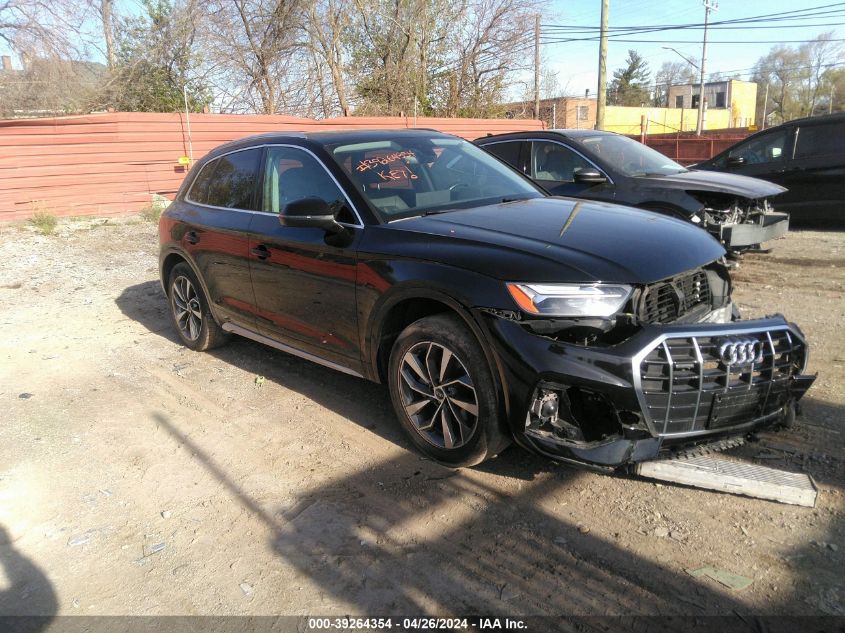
{"x": 29, "y": 591}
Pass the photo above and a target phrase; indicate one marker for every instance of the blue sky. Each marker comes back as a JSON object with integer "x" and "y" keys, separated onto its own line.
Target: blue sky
{"x": 577, "y": 62}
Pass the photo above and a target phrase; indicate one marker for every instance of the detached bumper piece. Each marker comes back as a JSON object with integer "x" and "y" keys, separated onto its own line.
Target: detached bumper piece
{"x": 734, "y": 477}
{"x": 769, "y": 227}
{"x": 688, "y": 386}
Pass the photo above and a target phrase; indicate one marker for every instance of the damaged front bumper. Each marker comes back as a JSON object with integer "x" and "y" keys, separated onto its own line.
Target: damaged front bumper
{"x": 667, "y": 387}
{"x": 764, "y": 228}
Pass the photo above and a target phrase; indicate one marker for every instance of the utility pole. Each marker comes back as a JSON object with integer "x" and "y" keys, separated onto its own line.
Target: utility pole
{"x": 188, "y": 121}
{"x": 537, "y": 66}
{"x": 602, "y": 94}
{"x": 707, "y": 8}
{"x": 830, "y": 105}
{"x": 765, "y": 106}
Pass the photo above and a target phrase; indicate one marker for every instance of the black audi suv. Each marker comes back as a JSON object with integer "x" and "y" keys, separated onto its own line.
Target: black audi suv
{"x": 585, "y": 331}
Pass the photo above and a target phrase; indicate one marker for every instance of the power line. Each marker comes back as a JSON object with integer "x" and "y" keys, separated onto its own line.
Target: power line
{"x": 711, "y": 41}
{"x": 767, "y": 17}
{"x": 724, "y": 28}
{"x": 563, "y": 31}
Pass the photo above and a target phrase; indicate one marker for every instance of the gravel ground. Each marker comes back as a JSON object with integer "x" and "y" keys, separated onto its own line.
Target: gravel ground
{"x": 138, "y": 477}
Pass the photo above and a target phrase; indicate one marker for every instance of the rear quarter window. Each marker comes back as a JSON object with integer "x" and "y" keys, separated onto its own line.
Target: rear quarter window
{"x": 820, "y": 140}
{"x": 199, "y": 189}
{"x": 229, "y": 181}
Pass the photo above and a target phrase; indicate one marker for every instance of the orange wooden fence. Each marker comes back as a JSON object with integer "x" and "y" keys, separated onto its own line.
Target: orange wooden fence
{"x": 111, "y": 163}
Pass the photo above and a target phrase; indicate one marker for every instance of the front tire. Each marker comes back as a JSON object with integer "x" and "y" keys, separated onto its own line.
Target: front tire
{"x": 444, "y": 394}
{"x": 189, "y": 311}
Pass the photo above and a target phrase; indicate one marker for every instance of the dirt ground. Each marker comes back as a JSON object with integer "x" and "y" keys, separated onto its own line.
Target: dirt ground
{"x": 138, "y": 477}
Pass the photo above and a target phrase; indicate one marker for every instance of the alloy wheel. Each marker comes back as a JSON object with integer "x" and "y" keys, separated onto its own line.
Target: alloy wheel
{"x": 186, "y": 307}
{"x": 438, "y": 395}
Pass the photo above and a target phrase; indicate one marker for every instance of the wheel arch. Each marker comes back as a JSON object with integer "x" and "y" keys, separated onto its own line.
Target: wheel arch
{"x": 168, "y": 261}
{"x": 411, "y": 304}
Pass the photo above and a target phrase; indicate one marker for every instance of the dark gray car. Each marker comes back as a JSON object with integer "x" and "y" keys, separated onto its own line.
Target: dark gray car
{"x": 596, "y": 165}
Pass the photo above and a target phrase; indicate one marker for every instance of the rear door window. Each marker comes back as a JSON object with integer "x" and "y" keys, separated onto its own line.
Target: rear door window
{"x": 509, "y": 151}
{"x": 234, "y": 180}
{"x": 820, "y": 140}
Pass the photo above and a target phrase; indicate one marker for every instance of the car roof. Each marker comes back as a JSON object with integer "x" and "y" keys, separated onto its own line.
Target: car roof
{"x": 572, "y": 133}
{"x": 815, "y": 120}
{"x": 327, "y": 138}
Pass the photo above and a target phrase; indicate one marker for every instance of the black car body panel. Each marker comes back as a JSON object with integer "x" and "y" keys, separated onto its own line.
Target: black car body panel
{"x": 715, "y": 203}
{"x": 341, "y": 296}
{"x": 751, "y": 188}
{"x": 807, "y": 156}
{"x": 547, "y": 239}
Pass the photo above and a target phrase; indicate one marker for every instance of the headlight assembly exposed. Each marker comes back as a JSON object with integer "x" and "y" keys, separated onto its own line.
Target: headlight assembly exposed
{"x": 570, "y": 300}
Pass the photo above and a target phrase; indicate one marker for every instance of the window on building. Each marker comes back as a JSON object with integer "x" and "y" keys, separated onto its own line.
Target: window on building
{"x": 679, "y": 101}
{"x": 720, "y": 99}
{"x": 582, "y": 112}
{"x": 695, "y": 101}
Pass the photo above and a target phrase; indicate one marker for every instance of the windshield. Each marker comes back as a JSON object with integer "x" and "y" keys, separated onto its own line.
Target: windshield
{"x": 415, "y": 175}
{"x": 630, "y": 157}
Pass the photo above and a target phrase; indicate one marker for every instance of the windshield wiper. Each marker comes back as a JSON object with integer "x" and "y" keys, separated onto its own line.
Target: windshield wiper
{"x": 437, "y": 212}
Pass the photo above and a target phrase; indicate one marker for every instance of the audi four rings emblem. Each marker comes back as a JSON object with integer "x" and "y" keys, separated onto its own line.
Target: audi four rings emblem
{"x": 741, "y": 351}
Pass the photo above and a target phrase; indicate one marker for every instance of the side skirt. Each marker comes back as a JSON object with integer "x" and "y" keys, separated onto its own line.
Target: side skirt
{"x": 260, "y": 338}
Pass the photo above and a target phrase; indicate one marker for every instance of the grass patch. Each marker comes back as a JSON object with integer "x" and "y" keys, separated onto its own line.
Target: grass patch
{"x": 45, "y": 222}
{"x": 152, "y": 213}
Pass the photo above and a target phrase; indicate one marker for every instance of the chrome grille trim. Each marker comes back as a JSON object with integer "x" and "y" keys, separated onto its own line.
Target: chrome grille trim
{"x": 690, "y": 365}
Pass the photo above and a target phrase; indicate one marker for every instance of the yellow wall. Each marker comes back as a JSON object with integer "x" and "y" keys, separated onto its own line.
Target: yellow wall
{"x": 624, "y": 120}
{"x": 743, "y": 103}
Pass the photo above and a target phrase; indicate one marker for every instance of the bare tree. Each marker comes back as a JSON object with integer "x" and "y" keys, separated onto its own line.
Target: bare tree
{"x": 43, "y": 27}
{"x": 106, "y": 11}
{"x": 671, "y": 74}
{"x": 259, "y": 61}
{"x": 327, "y": 27}
{"x": 798, "y": 79}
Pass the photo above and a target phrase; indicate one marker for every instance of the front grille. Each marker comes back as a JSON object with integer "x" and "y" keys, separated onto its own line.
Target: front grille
{"x": 667, "y": 301}
{"x": 684, "y": 386}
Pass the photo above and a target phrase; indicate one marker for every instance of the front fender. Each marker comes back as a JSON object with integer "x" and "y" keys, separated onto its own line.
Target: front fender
{"x": 458, "y": 289}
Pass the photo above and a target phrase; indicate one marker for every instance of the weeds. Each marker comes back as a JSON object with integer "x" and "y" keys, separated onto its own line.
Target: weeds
{"x": 44, "y": 221}
{"x": 151, "y": 213}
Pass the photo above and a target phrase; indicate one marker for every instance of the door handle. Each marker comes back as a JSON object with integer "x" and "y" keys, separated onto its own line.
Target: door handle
{"x": 261, "y": 251}
{"x": 191, "y": 237}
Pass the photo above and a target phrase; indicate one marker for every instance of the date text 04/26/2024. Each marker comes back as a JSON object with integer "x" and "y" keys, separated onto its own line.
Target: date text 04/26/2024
{"x": 415, "y": 624}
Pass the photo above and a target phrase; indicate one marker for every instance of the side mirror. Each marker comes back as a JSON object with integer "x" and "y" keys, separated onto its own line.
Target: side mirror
{"x": 309, "y": 212}
{"x": 736, "y": 161}
{"x": 589, "y": 175}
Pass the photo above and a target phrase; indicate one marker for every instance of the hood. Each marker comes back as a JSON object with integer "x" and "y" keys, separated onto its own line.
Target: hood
{"x": 744, "y": 186}
{"x": 554, "y": 239}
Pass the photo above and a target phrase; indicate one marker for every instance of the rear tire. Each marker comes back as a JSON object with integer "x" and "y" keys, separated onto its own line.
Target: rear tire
{"x": 444, "y": 394}
{"x": 189, "y": 311}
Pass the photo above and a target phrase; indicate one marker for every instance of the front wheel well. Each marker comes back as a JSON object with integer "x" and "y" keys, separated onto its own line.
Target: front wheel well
{"x": 397, "y": 319}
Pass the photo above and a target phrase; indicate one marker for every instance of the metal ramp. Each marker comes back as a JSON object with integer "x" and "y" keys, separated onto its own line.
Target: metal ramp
{"x": 734, "y": 477}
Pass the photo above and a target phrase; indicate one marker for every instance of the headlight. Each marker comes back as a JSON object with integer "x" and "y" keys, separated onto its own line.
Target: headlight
{"x": 570, "y": 300}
